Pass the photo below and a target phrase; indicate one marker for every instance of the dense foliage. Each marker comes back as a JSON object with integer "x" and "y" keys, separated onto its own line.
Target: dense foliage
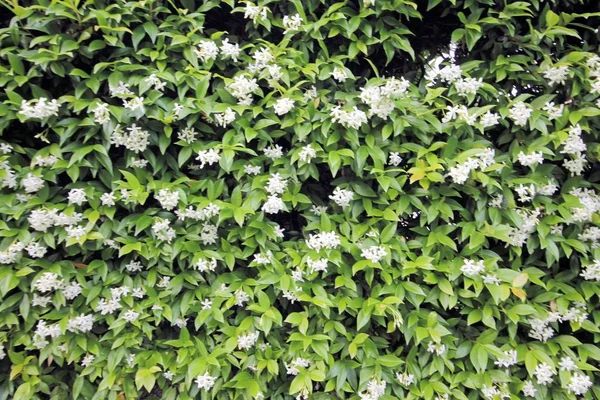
{"x": 319, "y": 199}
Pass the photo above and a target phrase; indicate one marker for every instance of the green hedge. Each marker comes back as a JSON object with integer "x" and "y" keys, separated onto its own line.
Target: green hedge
{"x": 319, "y": 199}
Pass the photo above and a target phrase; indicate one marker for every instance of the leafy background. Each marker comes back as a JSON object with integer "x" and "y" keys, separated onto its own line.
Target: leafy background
{"x": 358, "y": 320}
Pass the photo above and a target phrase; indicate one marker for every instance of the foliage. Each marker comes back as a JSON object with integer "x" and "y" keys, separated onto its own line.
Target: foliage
{"x": 311, "y": 199}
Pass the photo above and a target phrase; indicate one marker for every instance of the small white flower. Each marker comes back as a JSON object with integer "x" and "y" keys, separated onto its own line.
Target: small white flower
{"x": 274, "y": 152}
{"x": 77, "y": 196}
{"x": 209, "y": 157}
{"x": 556, "y": 75}
{"x": 307, "y": 154}
{"x": 292, "y": 23}
{"x": 251, "y": 169}
{"x": 231, "y": 50}
{"x": 579, "y": 384}
{"x": 543, "y": 373}
{"x": 131, "y": 316}
{"x": 88, "y": 360}
{"x": 205, "y": 381}
{"x": 207, "y": 50}
{"x": 283, "y": 106}
{"x": 342, "y": 197}
{"x": 529, "y": 390}
{"x": 394, "y": 159}
{"x": 339, "y": 74}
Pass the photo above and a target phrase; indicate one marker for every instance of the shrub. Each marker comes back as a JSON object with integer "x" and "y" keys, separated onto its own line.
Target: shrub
{"x": 316, "y": 199}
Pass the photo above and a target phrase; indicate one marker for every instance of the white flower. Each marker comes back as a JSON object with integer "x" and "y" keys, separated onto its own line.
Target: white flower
{"x": 489, "y": 119}
{"x": 130, "y": 316}
{"x": 274, "y": 152}
{"x": 567, "y": 364}
{"x": 310, "y": 94}
{"x": 437, "y": 348}
{"x": 323, "y": 240}
{"x": 231, "y": 50}
{"x": 88, "y": 360}
{"x": 450, "y": 73}
{"x": 283, "y": 106}
{"x": 496, "y": 201}
{"x": 316, "y": 265}
{"x": 530, "y": 159}
{"x": 122, "y": 89}
{"x": 168, "y": 375}
{"x": 101, "y": 113}
{"x": 528, "y": 389}
{"x": 339, "y": 74}
{"x": 209, "y": 234}
{"x": 526, "y": 193}
{"x": 208, "y": 157}
{"x": 468, "y": 86}
{"x": 307, "y": 154}
{"x": 241, "y": 297}
{"x": 204, "y": 265}
{"x": 108, "y": 199}
{"x": 278, "y": 231}
{"x": 574, "y": 145}
{"x": 41, "y": 301}
{"x": 136, "y": 103}
{"x": 225, "y": 118}
{"x": 207, "y": 50}
{"x": 135, "y": 140}
{"x": 255, "y": 12}
{"x": 72, "y": 290}
{"x": 374, "y": 253}
{"x": 245, "y": 342}
{"x": 273, "y": 205}
{"x": 48, "y": 282}
{"x": 6, "y": 148}
{"x": 138, "y": 293}
{"x": 77, "y": 196}
{"x": 491, "y": 279}
{"x": 168, "y": 199}
{"x": 156, "y": 82}
{"x": 108, "y": 306}
{"x": 297, "y": 275}
{"x": 579, "y": 384}
{"x": 394, "y": 159}
{"x": 242, "y": 89}
{"x": 553, "y": 112}
{"x": 134, "y": 266}
{"x": 47, "y": 161}
{"x": 205, "y": 381}
{"x": 472, "y": 268}
{"x": 520, "y": 113}
{"x": 36, "y": 250}
{"x": 276, "y": 185}
{"x": 591, "y": 272}
{"x": 292, "y": 367}
{"x": 187, "y": 135}
{"x": 177, "y": 108}
{"x": 405, "y": 379}
{"x": 292, "y": 23}
{"x": 375, "y": 389}
{"x": 180, "y": 322}
{"x": 342, "y": 197}
{"x": 164, "y": 282}
{"x": 508, "y": 359}
{"x": 206, "y": 304}
{"x": 556, "y": 75}
{"x": 349, "y": 119}
{"x": 543, "y": 373}
{"x": 39, "y": 108}
{"x": 251, "y": 169}
{"x": 82, "y": 322}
